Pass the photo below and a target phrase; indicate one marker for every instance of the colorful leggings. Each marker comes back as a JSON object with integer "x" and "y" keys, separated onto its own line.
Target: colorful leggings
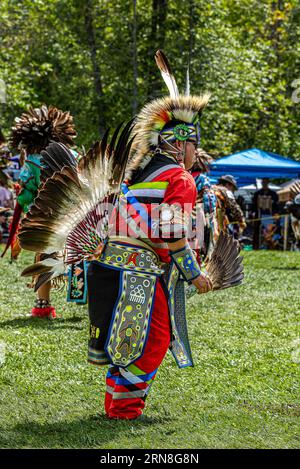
{"x": 127, "y": 388}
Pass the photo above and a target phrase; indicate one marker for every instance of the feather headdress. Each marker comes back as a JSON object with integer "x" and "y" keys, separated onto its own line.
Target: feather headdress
{"x": 38, "y": 127}
{"x": 160, "y": 113}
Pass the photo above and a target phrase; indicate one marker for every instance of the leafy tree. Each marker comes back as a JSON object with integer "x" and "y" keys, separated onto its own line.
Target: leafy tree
{"x": 96, "y": 59}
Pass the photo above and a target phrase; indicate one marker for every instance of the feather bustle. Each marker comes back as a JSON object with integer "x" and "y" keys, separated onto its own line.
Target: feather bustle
{"x": 37, "y": 127}
{"x": 69, "y": 211}
{"x": 224, "y": 267}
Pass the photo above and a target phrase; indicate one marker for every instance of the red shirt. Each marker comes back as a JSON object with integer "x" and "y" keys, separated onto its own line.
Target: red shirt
{"x": 180, "y": 191}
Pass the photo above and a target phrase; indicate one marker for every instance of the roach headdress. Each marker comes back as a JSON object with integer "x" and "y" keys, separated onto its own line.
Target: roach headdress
{"x": 38, "y": 127}
{"x": 171, "y": 118}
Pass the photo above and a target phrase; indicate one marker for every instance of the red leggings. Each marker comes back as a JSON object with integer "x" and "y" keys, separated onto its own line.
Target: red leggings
{"x": 127, "y": 388}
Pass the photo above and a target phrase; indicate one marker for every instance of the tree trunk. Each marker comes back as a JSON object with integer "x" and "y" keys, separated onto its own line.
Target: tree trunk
{"x": 91, "y": 38}
{"x": 134, "y": 60}
{"x": 156, "y": 41}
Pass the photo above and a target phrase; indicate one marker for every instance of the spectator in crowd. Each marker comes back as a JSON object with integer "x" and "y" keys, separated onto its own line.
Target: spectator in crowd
{"x": 265, "y": 206}
{"x": 2, "y": 222}
{"x": 228, "y": 210}
{"x": 6, "y": 196}
{"x": 6, "y": 208}
{"x": 5, "y": 215}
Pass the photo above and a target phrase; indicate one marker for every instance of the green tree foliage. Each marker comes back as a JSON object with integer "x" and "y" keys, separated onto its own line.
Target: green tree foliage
{"x": 96, "y": 59}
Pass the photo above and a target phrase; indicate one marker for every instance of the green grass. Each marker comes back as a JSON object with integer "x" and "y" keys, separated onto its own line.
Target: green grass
{"x": 242, "y": 393}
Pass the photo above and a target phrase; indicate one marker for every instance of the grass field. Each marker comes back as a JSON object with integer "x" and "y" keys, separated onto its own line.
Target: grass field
{"x": 242, "y": 393}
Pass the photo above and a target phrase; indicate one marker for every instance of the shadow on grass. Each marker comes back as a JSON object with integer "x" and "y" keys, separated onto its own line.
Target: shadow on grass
{"x": 287, "y": 268}
{"x": 93, "y": 432}
{"x": 38, "y": 323}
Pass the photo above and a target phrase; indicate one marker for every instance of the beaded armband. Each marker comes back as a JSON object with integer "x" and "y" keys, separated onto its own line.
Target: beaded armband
{"x": 186, "y": 263}
{"x": 173, "y": 221}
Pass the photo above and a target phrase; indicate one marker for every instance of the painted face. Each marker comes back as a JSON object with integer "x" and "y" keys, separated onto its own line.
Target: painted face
{"x": 182, "y": 132}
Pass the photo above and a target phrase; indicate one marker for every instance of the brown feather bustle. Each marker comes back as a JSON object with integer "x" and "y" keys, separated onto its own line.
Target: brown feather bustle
{"x": 225, "y": 268}
{"x": 37, "y": 127}
{"x": 70, "y": 209}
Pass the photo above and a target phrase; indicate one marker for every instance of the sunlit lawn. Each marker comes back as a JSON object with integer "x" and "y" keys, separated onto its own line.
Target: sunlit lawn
{"x": 242, "y": 393}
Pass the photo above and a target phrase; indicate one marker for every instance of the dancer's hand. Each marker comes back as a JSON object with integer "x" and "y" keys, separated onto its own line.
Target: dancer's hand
{"x": 202, "y": 283}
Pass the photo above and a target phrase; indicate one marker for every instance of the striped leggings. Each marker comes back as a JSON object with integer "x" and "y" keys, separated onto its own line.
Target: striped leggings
{"x": 127, "y": 388}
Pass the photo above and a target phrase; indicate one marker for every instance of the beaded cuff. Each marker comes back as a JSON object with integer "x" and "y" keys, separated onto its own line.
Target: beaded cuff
{"x": 186, "y": 263}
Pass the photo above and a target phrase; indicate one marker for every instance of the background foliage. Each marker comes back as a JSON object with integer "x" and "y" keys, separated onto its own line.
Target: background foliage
{"x": 95, "y": 58}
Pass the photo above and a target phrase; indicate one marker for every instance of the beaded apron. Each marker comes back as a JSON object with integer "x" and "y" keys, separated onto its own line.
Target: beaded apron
{"x": 140, "y": 268}
{"x": 129, "y": 328}
{"x": 77, "y": 283}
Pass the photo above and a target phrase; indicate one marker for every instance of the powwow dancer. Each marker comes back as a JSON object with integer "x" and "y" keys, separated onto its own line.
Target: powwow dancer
{"x": 228, "y": 210}
{"x": 32, "y": 133}
{"x": 204, "y": 219}
{"x": 136, "y": 258}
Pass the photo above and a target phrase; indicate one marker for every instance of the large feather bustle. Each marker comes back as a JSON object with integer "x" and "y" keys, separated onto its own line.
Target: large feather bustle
{"x": 155, "y": 115}
{"x": 225, "y": 268}
{"x": 70, "y": 211}
{"x": 37, "y": 127}
{"x": 295, "y": 189}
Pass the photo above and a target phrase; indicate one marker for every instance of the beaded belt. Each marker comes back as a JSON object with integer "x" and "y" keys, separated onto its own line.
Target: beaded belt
{"x": 136, "y": 257}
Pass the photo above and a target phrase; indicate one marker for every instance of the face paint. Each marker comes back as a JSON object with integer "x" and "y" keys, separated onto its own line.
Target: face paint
{"x": 182, "y": 132}
{"x": 198, "y": 133}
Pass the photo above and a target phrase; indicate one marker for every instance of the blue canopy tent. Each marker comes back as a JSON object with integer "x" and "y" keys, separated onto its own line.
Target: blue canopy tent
{"x": 248, "y": 165}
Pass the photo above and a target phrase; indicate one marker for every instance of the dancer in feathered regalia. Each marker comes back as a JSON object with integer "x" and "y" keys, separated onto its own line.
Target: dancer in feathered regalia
{"x": 204, "y": 217}
{"x": 228, "y": 210}
{"x": 32, "y": 133}
{"x": 293, "y": 208}
{"x": 138, "y": 250}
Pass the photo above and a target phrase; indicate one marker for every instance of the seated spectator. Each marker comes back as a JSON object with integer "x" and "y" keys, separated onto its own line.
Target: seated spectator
{"x": 265, "y": 205}
{"x": 272, "y": 235}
